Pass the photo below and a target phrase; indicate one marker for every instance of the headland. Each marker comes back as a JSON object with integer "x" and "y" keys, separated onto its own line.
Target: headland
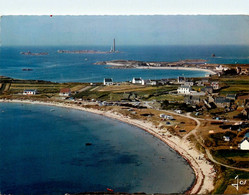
{"x": 189, "y": 64}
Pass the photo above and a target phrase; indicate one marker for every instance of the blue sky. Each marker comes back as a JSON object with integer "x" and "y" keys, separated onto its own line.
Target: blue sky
{"x": 128, "y": 30}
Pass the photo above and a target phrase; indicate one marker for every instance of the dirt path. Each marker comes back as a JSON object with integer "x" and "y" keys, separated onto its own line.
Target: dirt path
{"x": 85, "y": 88}
{"x": 209, "y": 155}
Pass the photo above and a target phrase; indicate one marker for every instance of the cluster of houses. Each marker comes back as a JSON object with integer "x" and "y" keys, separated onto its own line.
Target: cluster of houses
{"x": 186, "y": 86}
{"x": 66, "y": 92}
{"x": 29, "y": 92}
{"x": 138, "y": 80}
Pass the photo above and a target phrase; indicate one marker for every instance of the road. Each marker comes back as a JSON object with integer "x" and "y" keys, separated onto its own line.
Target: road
{"x": 193, "y": 132}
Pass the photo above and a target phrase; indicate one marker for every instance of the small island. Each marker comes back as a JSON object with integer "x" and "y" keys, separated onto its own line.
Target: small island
{"x": 34, "y": 54}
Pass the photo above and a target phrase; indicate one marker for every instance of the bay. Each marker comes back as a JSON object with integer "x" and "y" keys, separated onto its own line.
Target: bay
{"x": 80, "y": 67}
{"x": 43, "y": 151}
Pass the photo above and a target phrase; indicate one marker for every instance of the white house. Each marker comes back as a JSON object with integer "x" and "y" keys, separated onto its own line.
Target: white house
{"x": 188, "y": 83}
{"x": 166, "y": 116}
{"x": 221, "y": 68}
{"x": 244, "y": 145}
{"x": 226, "y": 138}
{"x": 65, "y": 92}
{"x": 215, "y": 85}
{"x": 148, "y": 82}
{"x": 137, "y": 80}
{"x": 108, "y": 81}
{"x": 29, "y": 92}
{"x": 178, "y": 111}
{"x": 184, "y": 90}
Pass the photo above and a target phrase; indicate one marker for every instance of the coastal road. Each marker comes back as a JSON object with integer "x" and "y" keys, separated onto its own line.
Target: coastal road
{"x": 84, "y": 89}
{"x": 228, "y": 166}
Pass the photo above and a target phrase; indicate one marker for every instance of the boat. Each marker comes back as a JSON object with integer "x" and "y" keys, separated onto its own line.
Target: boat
{"x": 110, "y": 190}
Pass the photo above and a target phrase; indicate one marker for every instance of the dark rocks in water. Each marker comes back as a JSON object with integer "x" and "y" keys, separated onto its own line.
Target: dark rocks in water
{"x": 213, "y": 55}
{"x": 88, "y": 144}
{"x": 27, "y": 69}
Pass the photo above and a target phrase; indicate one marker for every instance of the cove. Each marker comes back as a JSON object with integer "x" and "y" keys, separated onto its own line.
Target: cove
{"x": 43, "y": 151}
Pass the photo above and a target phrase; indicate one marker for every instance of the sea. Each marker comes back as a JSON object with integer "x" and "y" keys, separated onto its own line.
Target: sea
{"x": 62, "y": 67}
{"x": 54, "y": 150}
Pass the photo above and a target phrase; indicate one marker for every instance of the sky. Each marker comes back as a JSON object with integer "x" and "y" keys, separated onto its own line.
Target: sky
{"x": 170, "y": 22}
{"x": 127, "y": 30}
{"x": 122, "y": 7}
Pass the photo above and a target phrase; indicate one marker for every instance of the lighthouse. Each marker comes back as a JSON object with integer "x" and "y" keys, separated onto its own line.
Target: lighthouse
{"x": 114, "y": 45}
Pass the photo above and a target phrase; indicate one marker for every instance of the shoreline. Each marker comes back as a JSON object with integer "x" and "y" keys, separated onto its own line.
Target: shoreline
{"x": 178, "y": 68}
{"x": 203, "y": 170}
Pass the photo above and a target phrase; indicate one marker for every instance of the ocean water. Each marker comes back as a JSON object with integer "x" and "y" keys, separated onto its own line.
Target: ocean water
{"x": 43, "y": 151}
{"x": 80, "y": 67}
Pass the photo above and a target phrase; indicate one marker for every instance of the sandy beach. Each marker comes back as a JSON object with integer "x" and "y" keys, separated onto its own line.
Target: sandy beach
{"x": 179, "y": 68}
{"x": 204, "y": 170}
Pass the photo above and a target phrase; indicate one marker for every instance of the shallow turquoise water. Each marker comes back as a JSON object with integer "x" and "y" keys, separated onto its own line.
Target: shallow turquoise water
{"x": 44, "y": 151}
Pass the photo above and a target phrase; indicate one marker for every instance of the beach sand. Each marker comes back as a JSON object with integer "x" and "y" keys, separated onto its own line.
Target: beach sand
{"x": 204, "y": 170}
{"x": 180, "y": 68}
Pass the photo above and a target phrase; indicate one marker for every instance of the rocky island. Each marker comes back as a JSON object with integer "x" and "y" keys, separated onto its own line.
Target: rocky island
{"x": 33, "y": 54}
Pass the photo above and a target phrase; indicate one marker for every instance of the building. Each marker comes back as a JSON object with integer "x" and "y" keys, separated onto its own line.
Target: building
{"x": 221, "y": 68}
{"x": 199, "y": 83}
{"x": 178, "y": 111}
{"x": 226, "y": 138}
{"x": 222, "y": 102}
{"x": 188, "y": 83}
{"x": 113, "y": 49}
{"x": 149, "y": 82}
{"x": 108, "y": 81}
{"x": 215, "y": 85}
{"x": 65, "y": 92}
{"x": 244, "y": 145}
{"x": 29, "y": 92}
{"x": 137, "y": 80}
{"x": 181, "y": 79}
{"x": 192, "y": 99}
{"x": 207, "y": 89}
{"x": 163, "y": 82}
{"x": 184, "y": 89}
{"x": 166, "y": 116}
{"x": 231, "y": 96}
{"x": 244, "y": 71}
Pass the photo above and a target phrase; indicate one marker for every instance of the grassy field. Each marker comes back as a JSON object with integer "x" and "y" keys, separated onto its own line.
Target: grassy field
{"x": 225, "y": 180}
{"x": 235, "y": 84}
{"x": 237, "y": 158}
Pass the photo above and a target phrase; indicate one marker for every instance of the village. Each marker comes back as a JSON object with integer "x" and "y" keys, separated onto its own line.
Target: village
{"x": 211, "y": 112}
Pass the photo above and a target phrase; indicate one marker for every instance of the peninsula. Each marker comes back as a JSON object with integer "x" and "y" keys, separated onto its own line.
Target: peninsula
{"x": 189, "y": 64}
